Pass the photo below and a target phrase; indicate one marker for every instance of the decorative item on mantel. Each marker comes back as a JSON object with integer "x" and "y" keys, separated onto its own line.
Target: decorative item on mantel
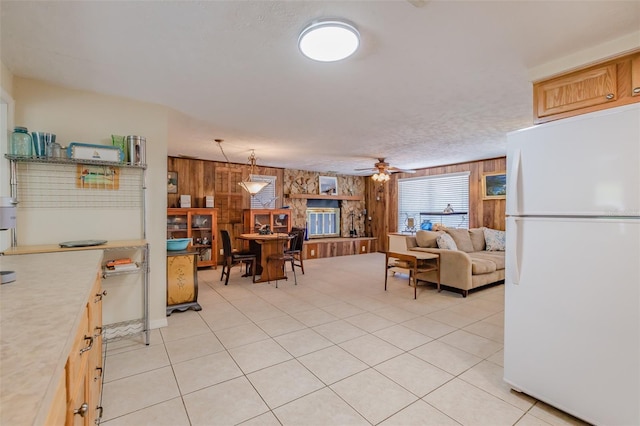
{"x": 328, "y": 185}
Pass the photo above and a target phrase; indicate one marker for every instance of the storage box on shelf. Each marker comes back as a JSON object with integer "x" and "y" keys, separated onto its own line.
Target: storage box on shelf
{"x": 199, "y": 224}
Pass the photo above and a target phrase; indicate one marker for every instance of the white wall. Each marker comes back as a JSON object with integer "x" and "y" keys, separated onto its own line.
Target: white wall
{"x": 6, "y": 126}
{"x": 80, "y": 116}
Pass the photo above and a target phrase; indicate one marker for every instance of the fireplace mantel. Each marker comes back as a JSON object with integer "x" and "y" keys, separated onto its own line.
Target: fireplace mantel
{"x": 327, "y": 197}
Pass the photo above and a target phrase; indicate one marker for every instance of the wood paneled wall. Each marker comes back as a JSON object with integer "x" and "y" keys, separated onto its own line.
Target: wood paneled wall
{"x": 382, "y": 201}
{"x": 199, "y": 178}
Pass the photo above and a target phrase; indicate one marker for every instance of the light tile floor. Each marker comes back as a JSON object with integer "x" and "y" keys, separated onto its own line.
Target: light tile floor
{"x": 334, "y": 350}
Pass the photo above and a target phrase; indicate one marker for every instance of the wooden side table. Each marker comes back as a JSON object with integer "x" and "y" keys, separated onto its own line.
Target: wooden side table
{"x": 182, "y": 281}
{"x": 417, "y": 262}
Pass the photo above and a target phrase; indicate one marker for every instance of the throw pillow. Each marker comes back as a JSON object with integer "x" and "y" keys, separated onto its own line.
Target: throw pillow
{"x": 477, "y": 238}
{"x": 494, "y": 239}
{"x": 462, "y": 239}
{"x": 427, "y": 238}
{"x": 446, "y": 242}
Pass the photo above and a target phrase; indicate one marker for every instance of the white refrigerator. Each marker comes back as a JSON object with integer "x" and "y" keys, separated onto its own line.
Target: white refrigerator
{"x": 572, "y": 287}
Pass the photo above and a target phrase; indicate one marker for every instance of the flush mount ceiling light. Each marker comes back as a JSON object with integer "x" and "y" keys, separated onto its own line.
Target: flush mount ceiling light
{"x": 329, "y": 40}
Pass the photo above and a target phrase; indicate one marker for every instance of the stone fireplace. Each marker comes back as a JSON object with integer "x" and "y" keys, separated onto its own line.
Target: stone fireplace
{"x": 323, "y": 218}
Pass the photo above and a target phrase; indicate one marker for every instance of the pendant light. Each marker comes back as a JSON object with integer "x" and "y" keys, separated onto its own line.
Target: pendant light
{"x": 249, "y": 185}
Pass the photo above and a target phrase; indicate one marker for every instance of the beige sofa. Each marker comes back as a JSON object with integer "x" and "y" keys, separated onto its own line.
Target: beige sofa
{"x": 468, "y": 267}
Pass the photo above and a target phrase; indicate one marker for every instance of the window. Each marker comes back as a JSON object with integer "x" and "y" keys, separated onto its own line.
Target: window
{"x": 432, "y": 194}
{"x": 265, "y": 199}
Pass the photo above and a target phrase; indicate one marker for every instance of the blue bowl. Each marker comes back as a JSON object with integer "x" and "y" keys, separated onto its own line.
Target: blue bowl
{"x": 178, "y": 244}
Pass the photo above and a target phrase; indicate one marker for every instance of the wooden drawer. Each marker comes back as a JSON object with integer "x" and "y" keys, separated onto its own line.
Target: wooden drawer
{"x": 95, "y": 367}
{"x": 77, "y": 415}
{"x": 78, "y": 358}
{"x": 76, "y": 371}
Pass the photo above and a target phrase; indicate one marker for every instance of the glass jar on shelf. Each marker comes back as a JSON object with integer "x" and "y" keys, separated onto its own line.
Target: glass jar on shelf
{"x": 21, "y": 142}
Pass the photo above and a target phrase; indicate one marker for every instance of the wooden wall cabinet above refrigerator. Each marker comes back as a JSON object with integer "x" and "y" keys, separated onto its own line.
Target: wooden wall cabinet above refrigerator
{"x": 609, "y": 84}
{"x": 199, "y": 224}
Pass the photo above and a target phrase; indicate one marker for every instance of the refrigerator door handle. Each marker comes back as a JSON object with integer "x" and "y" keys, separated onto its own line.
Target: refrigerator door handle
{"x": 514, "y": 244}
{"x": 513, "y": 198}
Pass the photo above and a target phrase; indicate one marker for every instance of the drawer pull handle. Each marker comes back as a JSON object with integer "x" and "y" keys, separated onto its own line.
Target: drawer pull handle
{"x": 99, "y": 415}
{"x": 636, "y": 90}
{"x": 609, "y": 96}
{"x": 82, "y": 410}
{"x": 99, "y": 369}
{"x": 88, "y": 348}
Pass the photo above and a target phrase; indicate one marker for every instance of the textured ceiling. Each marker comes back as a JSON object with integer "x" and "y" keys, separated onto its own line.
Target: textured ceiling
{"x": 434, "y": 82}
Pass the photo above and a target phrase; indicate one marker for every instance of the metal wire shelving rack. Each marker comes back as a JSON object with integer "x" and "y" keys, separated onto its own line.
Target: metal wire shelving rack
{"x": 61, "y": 183}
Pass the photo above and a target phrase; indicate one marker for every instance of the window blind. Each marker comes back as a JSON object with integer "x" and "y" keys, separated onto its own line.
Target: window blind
{"x": 432, "y": 194}
{"x": 265, "y": 199}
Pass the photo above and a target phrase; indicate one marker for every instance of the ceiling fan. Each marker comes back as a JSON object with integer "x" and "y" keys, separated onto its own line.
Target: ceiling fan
{"x": 383, "y": 170}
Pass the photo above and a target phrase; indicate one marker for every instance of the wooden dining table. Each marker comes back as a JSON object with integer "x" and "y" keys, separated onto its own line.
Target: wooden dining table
{"x": 264, "y": 246}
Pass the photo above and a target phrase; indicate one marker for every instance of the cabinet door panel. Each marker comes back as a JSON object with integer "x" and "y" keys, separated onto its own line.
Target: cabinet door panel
{"x": 635, "y": 75}
{"x": 578, "y": 90}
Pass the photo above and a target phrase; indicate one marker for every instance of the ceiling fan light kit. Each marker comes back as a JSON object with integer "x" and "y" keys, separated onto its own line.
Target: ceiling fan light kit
{"x": 329, "y": 40}
{"x": 381, "y": 177}
{"x": 383, "y": 171}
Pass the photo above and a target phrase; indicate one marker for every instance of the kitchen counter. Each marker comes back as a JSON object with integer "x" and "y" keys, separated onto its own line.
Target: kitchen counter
{"x": 52, "y": 248}
{"x": 39, "y": 315}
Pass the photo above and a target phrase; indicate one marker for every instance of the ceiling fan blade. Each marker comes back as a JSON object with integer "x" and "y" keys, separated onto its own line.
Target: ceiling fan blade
{"x": 418, "y": 3}
{"x": 366, "y": 169}
{"x": 396, "y": 169}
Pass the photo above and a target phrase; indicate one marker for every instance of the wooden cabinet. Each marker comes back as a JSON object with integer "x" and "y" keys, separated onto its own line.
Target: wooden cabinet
{"x": 278, "y": 220}
{"x": 609, "y": 84}
{"x": 182, "y": 281}
{"x": 201, "y": 225}
{"x": 332, "y": 247}
{"x": 635, "y": 75}
{"x": 83, "y": 370}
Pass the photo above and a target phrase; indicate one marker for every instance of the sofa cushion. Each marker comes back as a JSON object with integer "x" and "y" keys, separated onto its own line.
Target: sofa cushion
{"x": 477, "y": 238}
{"x": 427, "y": 239}
{"x": 462, "y": 239}
{"x": 494, "y": 239}
{"x": 497, "y": 257}
{"x": 446, "y": 242}
{"x": 482, "y": 266}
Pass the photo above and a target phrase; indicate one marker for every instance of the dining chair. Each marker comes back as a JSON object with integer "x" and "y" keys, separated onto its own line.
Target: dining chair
{"x": 283, "y": 257}
{"x": 295, "y": 248}
{"x": 233, "y": 257}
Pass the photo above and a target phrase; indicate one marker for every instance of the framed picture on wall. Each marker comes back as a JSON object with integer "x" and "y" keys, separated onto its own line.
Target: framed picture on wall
{"x": 328, "y": 185}
{"x": 494, "y": 186}
{"x": 172, "y": 183}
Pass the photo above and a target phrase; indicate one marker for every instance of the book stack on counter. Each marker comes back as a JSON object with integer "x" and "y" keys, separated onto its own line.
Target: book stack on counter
{"x": 119, "y": 265}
